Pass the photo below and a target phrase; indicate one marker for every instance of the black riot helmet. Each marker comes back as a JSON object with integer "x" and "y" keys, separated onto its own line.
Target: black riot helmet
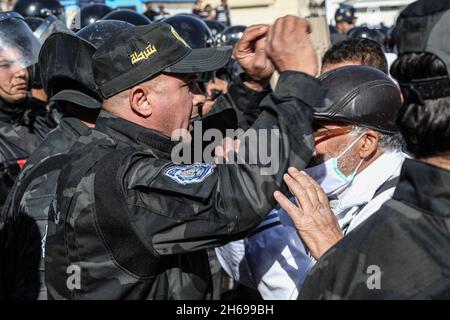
{"x": 230, "y": 36}
{"x": 197, "y": 35}
{"x": 67, "y": 61}
{"x": 50, "y": 25}
{"x": 192, "y": 29}
{"x": 92, "y": 13}
{"x": 361, "y": 96}
{"x": 39, "y": 8}
{"x": 216, "y": 27}
{"x": 129, "y": 16}
{"x": 17, "y": 42}
{"x": 100, "y": 31}
{"x": 365, "y": 32}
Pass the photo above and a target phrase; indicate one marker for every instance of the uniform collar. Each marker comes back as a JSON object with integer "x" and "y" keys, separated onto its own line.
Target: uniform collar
{"x": 132, "y": 134}
{"x": 12, "y": 113}
{"x": 424, "y": 186}
{"x": 366, "y": 183}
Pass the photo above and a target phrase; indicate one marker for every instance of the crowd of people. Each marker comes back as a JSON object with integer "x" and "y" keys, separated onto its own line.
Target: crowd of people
{"x": 148, "y": 156}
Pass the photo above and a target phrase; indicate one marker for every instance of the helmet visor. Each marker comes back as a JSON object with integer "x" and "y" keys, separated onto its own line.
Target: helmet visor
{"x": 18, "y": 45}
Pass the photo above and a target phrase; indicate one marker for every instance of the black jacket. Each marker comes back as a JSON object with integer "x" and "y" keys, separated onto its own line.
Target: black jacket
{"x": 130, "y": 224}
{"x": 22, "y": 127}
{"x": 401, "y": 252}
{"x": 24, "y": 219}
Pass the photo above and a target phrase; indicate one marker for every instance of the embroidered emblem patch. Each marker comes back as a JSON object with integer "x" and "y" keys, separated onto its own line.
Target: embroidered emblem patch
{"x": 191, "y": 174}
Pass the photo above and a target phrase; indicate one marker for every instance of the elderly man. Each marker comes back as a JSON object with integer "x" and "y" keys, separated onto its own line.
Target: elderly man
{"x": 357, "y": 161}
{"x": 401, "y": 252}
{"x": 140, "y": 233}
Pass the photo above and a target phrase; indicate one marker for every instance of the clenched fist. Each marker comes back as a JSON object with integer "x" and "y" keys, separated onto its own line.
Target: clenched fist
{"x": 250, "y": 52}
{"x": 289, "y": 46}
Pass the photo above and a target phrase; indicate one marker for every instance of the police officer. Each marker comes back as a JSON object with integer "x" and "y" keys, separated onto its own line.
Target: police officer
{"x": 68, "y": 80}
{"x": 141, "y": 233}
{"x": 345, "y": 20}
{"x": 23, "y": 123}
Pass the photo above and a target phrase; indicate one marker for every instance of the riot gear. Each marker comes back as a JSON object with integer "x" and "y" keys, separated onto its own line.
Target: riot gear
{"x": 34, "y": 22}
{"x": 192, "y": 29}
{"x": 129, "y": 16}
{"x": 96, "y": 33}
{"x": 39, "y": 8}
{"x": 49, "y": 26}
{"x": 18, "y": 45}
{"x": 69, "y": 70}
{"x": 216, "y": 27}
{"x": 91, "y": 13}
{"x": 365, "y": 32}
{"x": 230, "y": 36}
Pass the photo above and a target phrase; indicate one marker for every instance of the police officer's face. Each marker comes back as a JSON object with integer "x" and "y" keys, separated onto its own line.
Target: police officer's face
{"x": 13, "y": 78}
{"x": 179, "y": 95}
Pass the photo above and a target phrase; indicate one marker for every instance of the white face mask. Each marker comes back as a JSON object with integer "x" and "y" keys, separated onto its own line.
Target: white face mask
{"x": 328, "y": 175}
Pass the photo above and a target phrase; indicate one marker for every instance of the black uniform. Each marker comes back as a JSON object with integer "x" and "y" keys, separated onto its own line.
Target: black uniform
{"x": 140, "y": 233}
{"x": 24, "y": 125}
{"x": 401, "y": 252}
{"x": 24, "y": 217}
{"x": 22, "y": 128}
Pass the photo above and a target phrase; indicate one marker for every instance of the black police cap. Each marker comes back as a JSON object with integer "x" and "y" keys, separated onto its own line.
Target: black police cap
{"x": 345, "y": 13}
{"x": 138, "y": 53}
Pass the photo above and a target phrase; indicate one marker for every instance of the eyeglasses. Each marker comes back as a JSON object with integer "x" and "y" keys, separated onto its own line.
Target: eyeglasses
{"x": 325, "y": 133}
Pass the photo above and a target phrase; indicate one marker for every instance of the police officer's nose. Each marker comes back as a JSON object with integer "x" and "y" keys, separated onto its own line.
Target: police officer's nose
{"x": 22, "y": 73}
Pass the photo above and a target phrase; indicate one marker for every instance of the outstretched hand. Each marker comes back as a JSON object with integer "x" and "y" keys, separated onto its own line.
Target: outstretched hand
{"x": 312, "y": 216}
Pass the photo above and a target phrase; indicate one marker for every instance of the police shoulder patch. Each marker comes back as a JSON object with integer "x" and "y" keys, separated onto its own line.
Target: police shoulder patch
{"x": 190, "y": 174}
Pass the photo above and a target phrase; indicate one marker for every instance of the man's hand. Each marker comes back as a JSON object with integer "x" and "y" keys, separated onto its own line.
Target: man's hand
{"x": 289, "y": 46}
{"x": 250, "y": 52}
{"x": 313, "y": 217}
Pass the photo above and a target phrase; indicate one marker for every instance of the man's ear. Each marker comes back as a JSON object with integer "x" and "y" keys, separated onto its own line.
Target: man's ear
{"x": 369, "y": 144}
{"x": 140, "y": 101}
